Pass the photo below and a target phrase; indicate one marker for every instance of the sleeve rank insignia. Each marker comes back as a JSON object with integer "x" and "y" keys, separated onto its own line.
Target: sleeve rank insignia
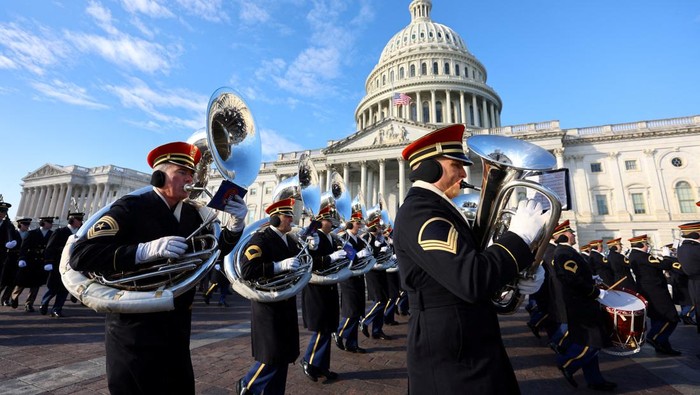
{"x": 676, "y": 265}
{"x": 438, "y": 234}
{"x": 106, "y": 226}
{"x": 653, "y": 260}
{"x": 253, "y": 252}
{"x": 571, "y": 266}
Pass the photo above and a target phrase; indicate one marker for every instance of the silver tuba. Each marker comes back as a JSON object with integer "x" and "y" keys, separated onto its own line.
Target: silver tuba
{"x": 361, "y": 265}
{"x": 506, "y": 161}
{"x": 304, "y": 188}
{"x": 233, "y": 145}
{"x": 378, "y": 214}
{"x": 337, "y": 201}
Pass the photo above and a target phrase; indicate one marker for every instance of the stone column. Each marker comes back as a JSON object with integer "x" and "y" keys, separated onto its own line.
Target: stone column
{"x": 493, "y": 116}
{"x": 559, "y": 155}
{"x": 22, "y": 202}
{"x": 363, "y": 178}
{"x": 382, "y": 177}
{"x": 59, "y": 201}
{"x": 432, "y": 106}
{"x": 66, "y": 198}
{"x": 402, "y": 179}
{"x": 618, "y": 196}
{"x": 31, "y": 204}
{"x": 346, "y": 174}
{"x": 41, "y": 202}
{"x": 475, "y": 111}
{"x": 448, "y": 104}
{"x": 419, "y": 108}
{"x": 486, "y": 113}
{"x": 322, "y": 180}
{"x": 105, "y": 195}
{"x": 371, "y": 190}
{"x": 463, "y": 115}
{"x": 656, "y": 190}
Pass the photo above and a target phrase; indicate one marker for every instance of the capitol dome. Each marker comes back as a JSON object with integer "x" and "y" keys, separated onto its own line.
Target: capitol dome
{"x": 427, "y": 75}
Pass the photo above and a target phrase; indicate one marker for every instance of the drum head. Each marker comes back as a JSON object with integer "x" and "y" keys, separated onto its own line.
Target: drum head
{"x": 622, "y": 300}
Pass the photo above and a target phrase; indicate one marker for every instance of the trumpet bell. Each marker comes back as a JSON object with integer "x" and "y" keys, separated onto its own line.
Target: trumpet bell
{"x": 511, "y": 152}
{"x": 303, "y": 187}
{"x": 341, "y": 194}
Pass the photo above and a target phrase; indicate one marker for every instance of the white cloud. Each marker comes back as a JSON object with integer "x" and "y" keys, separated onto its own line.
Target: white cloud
{"x": 157, "y": 103}
{"x": 310, "y": 72}
{"x": 67, "y": 92}
{"x": 251, "y": 13}
{"x": 210, "y": 10}
{"x": 102, "y": 16}
{"x": 33, "y": 52}
{"x": 127, "y": 51}
{"x": 274, "y": 143}
{"x": 7, "y": 63}
{"x": 151, "y": 8}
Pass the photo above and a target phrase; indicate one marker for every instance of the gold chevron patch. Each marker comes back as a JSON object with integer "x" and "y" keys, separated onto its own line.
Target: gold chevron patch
{"x": 438, "y": 234}
{"x": 253, "y": 252}
{"x": 106, "y": 226}
{"x": 653, "y": 260}
{"x": 571, "y": 266}
{"x": 676, "y": 265}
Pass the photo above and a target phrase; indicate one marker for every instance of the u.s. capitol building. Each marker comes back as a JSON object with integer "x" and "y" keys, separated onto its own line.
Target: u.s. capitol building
{"x": 626, "y": 179}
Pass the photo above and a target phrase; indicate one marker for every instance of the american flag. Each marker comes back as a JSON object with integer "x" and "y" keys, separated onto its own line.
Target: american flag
{"x": 401, "y": 99}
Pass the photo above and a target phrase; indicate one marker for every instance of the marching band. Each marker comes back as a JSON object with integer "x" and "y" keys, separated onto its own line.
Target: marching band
{"x": 429, "y": 266}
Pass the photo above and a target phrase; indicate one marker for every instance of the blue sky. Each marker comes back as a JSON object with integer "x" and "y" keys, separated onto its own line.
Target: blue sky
{"x": 102, "y": 82}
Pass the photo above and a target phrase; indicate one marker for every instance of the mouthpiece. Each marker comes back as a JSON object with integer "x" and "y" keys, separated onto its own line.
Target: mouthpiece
{"x": 464, "y": 185}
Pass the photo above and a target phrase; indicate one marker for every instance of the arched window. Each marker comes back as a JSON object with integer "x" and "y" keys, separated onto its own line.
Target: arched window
{"x": 426, "y": 112}
{"x": 414, "y": 112}
{"x": 686, "y": 201}
{"x": 413, "y": 71}
{"x": 400, "y": 73}
{"x": 457, "y": 70}
{"x": 391, "y": 76}
{"x": 384, "y": 79}
{"x": 423, "y": 69}
{"x": 447, "y": 68}
{"x": 438, "y": 112}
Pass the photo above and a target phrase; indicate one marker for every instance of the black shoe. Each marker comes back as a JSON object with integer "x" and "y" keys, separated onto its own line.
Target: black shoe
{"x": 29, "y": 308}
{"x": 534, "y": 329}
{"x": 688, "y": 320}
{"x": 206, "y": 299}
{"x": 381, "y": 335}
{"x": 667, "y": 350}
{"x": 364, "y": 329}
{"x": 569, "y": 377}
{"x": 309, "y": 371}
{"x": 240, "y": 388}
{"x": 356, "y": 349}
{"x": 57, "y": 314}
{"x": 14, "y": 303}
{"x": 391, "y": 323}
{"x": 328, "y": 374}
{"x": 338, "y": 341}
{"x": 43, "y": 309}
{"x": 604, "y": 386}
{"x": 652, "y": 343}
{"x": 73, "y": 299}
{"x": 6, "y": 303}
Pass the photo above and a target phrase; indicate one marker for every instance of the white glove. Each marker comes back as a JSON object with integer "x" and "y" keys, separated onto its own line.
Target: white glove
{"x": 528, "y": 286}
{"x": 362, "y": 253}
{"x": 165, "y": 247}
{"x": 383, "y": 249}
{"x": 665, "y": 251}
{"x": 286, "y": 265}
{"x": 11, "y": 244}
{"x": 22, "y": 264}
{"x": 48, "y": 267}
{"x": 528, "y": 220}
{"x": 602, "y": 294}
{"x": 597, "y": 279}
{"x": 217, "y": 267}
{"x": 312, "y": 241}
{"x": 377, "y": 243}
{"x": 337, "y": 255}
{"x": 237, "y": 208}
{"x": 393, "y": 256}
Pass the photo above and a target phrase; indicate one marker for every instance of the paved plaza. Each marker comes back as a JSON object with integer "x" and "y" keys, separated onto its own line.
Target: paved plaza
{"x": 42, "y": 355}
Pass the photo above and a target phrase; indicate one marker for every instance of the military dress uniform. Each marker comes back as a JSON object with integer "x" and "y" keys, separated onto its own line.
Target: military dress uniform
{"x": 52, "y": 255}
{"x": 9, "y": 271}
{"x": 621, "y": 266}
{"x": 584, "y": 317}
{"x": 377, "y": 289}
{"x": 600, "y": 264}
{"x": 454, "y": 339}
{"x": 652, "y": 284}
{"x": 681, "y": 295}
{"x": 147, "y": 353}
{"x": 7, "y": 231}
{"x": 539, "y": 303}
{"x": 689, "y": 257}
{"x": 352, "y": 302}
{"x": 274, "y": 326}
{"x": 32, "y": 276}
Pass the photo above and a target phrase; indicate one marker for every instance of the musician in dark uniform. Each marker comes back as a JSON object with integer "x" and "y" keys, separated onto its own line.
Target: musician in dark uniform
{"x": 652, "y": 284}
{"x": 539, "y": 303}
{"x": 620, "y": 265}
{"x": 587, "y": 333}
{"x": 352, "y": 291}
{"x": 7, "y": 231}
{"x": 52, "y": 257}
{"x": 558, "y": 329}
{"x": 377, "y": 286}
{"x": 601, "y": 264}
{"x": 274, "y": 326}
{"x": 679, "y": 282}
{"x": 393, "y": 283}
{"x": 32, "y": 272}
{"x": 454, "y": 339}
{"x": 148, "y": 353}
{"x": 9, "y": 271}
{"x": 689, "y": 257}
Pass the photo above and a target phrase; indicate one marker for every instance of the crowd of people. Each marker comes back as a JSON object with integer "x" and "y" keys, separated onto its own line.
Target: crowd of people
{"x": 439, "y": 276}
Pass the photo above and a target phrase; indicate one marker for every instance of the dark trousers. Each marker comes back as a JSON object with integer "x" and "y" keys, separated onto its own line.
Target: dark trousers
{"x": 375, "y": 317}
{"x": 270, "y": 379}
{"x": 581, "y": 357}
{"x": 348, "y": 331}
{"x": 33, "y": 292}
{"x": 660, "y": 331}
{"x": 318, "y": 352}
{"x": 61, "y": 296}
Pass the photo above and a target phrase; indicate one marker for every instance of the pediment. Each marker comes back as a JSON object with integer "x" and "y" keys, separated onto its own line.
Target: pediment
{"x": 47, "y": 170}
{"x": 390, "y": 133}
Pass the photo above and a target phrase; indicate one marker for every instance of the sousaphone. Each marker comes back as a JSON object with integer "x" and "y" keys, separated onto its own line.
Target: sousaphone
{"x": 233, "y": 143}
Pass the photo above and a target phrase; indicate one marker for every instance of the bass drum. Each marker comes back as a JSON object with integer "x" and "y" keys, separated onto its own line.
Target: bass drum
{"x": 626, "y": 314}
